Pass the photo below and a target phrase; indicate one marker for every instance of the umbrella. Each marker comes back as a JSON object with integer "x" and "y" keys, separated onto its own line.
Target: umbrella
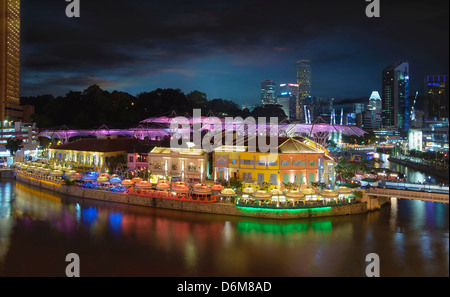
{"x": 56, "y": 173}
{"x": 261, "y": 195}
{"x": 249, "y": 190}
{"x": 143, "y": 184}
{"x": 201, "y": 189}
{"x": 180, "y": 187}
{"x": 295, "y": 194}
{"x": 227, "y": 192}
{"x": 162, "y": 185}
{"x": 136, "y": 179}
{"x": 102, "y": 179}
{"x": 89, "y": 178}
{"x": 217, "y": 187}
{"x": 115, "y": 180}
{"x": 330, "y": 194}
{"x": 76, "y": 175}
{"x": 127, "y": 183}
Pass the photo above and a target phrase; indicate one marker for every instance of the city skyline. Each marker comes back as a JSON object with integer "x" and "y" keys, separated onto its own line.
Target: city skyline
{"x": 224, "y": 49}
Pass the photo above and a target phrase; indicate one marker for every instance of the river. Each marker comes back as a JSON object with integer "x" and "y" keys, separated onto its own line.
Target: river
{"x": 412, "y": 175}
{"x": 38, "y": 228}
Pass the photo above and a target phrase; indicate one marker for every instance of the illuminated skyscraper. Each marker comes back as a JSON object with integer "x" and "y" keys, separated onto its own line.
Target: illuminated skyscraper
{"x": 268, "y": 92}
{"x": 10, "y": 109}
{"x": 304, "y": 86}
{"x": 436, "y": 97}
{"x": 288, "y": 99}
{"x": 395, "y": 94}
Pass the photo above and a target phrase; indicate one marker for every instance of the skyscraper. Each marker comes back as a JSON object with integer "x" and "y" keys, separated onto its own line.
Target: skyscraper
{"x": 288, "y": 99}
{"x": 268, "y": 92}
{"x": 10, "y": 109}
{"x": 436, "y": 97}
{"x": 372, "y": 116}
{"x": 395, "y": 94}
{"x": 304, "y": 86}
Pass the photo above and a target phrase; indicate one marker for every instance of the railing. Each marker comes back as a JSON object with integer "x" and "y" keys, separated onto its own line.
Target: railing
{"x": 438, "y": 197}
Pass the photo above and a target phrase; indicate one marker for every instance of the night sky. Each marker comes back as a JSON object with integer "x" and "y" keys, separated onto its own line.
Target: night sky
{"x": 225, "y": 48}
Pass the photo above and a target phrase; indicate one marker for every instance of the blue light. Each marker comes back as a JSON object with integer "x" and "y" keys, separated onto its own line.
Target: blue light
{"x": 89, "y": 215}
{"x": 115, "y": 222}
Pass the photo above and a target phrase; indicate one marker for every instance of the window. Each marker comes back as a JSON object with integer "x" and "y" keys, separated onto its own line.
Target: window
{"x": 261, "y": 163}
{"x": 298, "y": 163}
{"x": 311, "y": 178}
{"x": 273, "y": 179}
{"x": 131, "y": 159}
{"x": 192, "y": 167}
{"x": 246, "y": 162}
{"x": 233, "y": 161}
{"x": 273, "y": 163}
{"x": 157, "y": 165}
{"x": 260, "y": 178}
{"x": 312, "y": 163}
{"x": 285, "y": 178}
{"x": 285, "y": 163}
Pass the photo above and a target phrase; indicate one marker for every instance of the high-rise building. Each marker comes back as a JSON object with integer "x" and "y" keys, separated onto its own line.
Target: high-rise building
{"x": 268, "y": 88}
{"x": 372, "y": 114}
{"x": 10, "y": 109}
{"x": 436, "y": 97}
{"x": 395, "y": 94}
{"x": 287, "y": 98}
{"x": 304, "y": 85}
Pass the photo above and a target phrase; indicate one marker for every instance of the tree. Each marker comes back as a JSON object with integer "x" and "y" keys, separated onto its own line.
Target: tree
{"x": 13, "y": 145}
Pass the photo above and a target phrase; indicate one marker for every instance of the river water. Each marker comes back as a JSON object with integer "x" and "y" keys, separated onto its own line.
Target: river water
{"x": 412, "y": 175}
{"x": 38, "y": 228}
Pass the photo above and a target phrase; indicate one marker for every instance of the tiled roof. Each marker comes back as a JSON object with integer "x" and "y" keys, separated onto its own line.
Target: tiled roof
{"x": 107, "y": 145}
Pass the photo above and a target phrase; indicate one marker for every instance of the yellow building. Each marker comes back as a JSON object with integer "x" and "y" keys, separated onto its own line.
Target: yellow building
{"x": 296, "y": 162}
{"x": 91, "y": 153}
{"x": 188, "y": 164}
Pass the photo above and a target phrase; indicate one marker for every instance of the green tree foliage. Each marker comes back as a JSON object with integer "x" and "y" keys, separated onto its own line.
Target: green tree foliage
{"x": 267, "y": 111}
{"x": 13, "y": 145}
{"x": 94, "y": 107}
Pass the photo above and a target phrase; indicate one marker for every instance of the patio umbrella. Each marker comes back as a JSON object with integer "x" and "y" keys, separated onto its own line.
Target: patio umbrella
{"x": 227, "y": 192}
{"x": 56, "y": 173}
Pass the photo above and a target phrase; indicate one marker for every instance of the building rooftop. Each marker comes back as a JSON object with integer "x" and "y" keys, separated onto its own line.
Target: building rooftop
{"x": 107, "y": 145}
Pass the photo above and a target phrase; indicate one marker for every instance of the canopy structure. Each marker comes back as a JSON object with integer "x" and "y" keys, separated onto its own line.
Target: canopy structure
{"x": 156, "y": 128}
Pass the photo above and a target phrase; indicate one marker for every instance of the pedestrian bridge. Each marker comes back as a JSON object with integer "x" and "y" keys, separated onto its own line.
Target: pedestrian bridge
{"x": 405, "y": 194}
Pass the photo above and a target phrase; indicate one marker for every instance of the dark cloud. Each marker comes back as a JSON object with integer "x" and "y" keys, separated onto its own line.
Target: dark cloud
{"x": 128, "y": 40}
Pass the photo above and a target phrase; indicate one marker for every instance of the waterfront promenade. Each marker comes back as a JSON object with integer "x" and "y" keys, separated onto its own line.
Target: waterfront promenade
{"x": 223, "y": 208}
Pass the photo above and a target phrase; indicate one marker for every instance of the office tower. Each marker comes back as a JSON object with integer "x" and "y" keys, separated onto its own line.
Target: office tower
{"x": 359, "y": 108}
{"x": 268, "y": 92}
{"x": 372, "y": 114}
{"x": 436, "y": 97}
{"x": 375, "y": 102}
{"x": 10, "y": 109}
{"x": 395, "y": 94}
{"x": 288, "y": 99}
{"x": 304, "y": 84}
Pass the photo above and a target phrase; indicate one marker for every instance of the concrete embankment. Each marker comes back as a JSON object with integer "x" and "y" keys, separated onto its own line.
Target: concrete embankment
{"x": 367, "y": 204}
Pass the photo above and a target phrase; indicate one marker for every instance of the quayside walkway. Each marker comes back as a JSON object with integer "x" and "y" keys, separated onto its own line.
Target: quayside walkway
{"x": 405, "y": 194}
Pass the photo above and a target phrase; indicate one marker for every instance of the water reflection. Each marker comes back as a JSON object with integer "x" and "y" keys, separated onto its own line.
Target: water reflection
{"x": 411, "y": 175}
{"x": 112, "y": 239}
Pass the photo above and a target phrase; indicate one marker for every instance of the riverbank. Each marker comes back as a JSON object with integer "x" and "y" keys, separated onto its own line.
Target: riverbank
{"x": 421, "y": 167}
{"x": 365, "y": 205}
